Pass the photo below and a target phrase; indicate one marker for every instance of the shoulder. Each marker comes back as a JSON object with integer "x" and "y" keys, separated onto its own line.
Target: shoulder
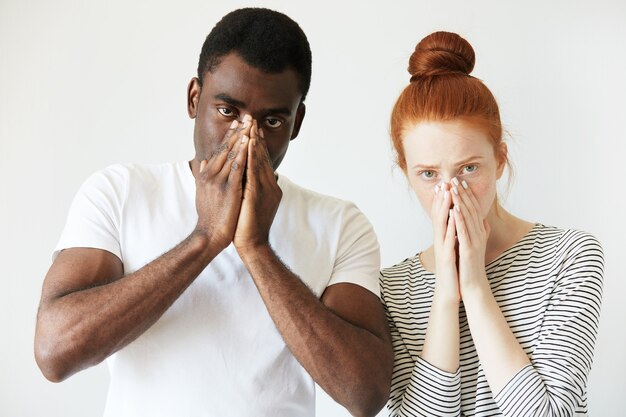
{"x": 317, "y": 207}
{"x": 577, "y": 256}
{"x": 567, "y": 242}
{"x": 119, "y": 177}
{"x": 392, "y": 275}
{"x": 143, "y": 172}
{"x": 297, "y": 193}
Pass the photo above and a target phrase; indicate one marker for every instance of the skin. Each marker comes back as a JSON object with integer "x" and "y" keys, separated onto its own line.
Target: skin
{"x": 244, "y": 121}
{"x": 453, "y": 168}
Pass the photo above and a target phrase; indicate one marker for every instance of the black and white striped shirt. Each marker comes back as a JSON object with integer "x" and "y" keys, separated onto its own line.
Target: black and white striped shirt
{"x": 549, "y": 289}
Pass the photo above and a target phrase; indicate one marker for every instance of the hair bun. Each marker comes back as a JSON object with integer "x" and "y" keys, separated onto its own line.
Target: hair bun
{"x": 441, "y": 53}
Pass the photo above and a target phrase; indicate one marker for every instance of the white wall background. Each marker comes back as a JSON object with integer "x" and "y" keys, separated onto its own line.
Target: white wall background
{"x": 84, "y": 84}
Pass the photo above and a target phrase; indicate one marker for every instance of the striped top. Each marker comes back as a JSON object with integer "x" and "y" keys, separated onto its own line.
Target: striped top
{"x": 549, "y": 289}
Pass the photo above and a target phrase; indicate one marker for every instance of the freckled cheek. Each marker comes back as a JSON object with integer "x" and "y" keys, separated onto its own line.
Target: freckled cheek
{"x": 425, "y": 195}
{"x": 485, "y": 193}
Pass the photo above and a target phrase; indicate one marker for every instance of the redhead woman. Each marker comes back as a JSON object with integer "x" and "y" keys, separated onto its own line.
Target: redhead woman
{"x": 499, "y": 316}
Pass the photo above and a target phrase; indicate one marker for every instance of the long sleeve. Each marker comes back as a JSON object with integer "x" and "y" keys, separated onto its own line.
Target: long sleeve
{"x": 417, "y": 387}
{"x": 554, "y": 384}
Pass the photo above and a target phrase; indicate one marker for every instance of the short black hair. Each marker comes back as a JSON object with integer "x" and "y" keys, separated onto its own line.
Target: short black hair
{"x": 266, "y": 39}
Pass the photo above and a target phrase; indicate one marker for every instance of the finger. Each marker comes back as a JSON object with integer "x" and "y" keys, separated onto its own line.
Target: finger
{"x": 254, "y": 130}
{"x": 251, "y": 165}
{"x": 461, "y": 227}
{"x": 469, "y": 195}
{"x": 258, "y": 152}
{"x": 246, "y": 124}
{"x": 451, "y": 230}
{"x": 237, "y": 167}
{"x": 235, "y": 132}
{"x": 232, "y": 155}
{"x": 267, "y": 173}
{"x": 449, "y": 242}
{"x": 203, "y": 165}
{"x": 471, "y": 217}
{"x": 219, "y": 155}
{"x": 439, "y": 214}
{"x": 242, "y": 136}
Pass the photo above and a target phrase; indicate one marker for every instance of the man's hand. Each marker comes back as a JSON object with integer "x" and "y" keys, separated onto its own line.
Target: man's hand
{"x": 261, "y": 196}
{"x": 219, "y": 188}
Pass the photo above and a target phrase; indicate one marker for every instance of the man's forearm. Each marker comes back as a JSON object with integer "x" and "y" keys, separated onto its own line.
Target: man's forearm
{"x": 352, "y": 364}
{"x": 81, "y": 328}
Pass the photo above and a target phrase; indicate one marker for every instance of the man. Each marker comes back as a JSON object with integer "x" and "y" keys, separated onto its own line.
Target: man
{"x": 215, "y": 287}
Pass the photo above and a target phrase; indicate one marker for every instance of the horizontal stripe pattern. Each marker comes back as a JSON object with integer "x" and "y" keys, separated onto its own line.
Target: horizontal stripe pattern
{"x": 548, "y": 287}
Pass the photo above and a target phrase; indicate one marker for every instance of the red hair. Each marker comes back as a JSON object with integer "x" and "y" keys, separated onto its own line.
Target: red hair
{"x": 441, "y": 89}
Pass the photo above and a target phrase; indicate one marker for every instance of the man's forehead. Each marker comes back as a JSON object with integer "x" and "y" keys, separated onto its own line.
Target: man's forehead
{"x": 236, "y": 79}
{"x": 287, "y": 111}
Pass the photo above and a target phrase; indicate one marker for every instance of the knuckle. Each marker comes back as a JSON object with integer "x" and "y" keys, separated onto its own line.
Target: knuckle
{"x": 221, "y": 148}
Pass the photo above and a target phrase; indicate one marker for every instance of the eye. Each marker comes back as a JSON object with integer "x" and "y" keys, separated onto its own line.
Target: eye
{"x": 226, "y": 111}
{"x": 427, "y": 175}
{"x": 468, "y": 169}
{"x": 273, "y": 123}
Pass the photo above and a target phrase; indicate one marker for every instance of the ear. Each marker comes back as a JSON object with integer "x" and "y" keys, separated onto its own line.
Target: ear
{"x": 193, "y": 97}
{"x": 298, "y": 123}
{"x": 501, "y": 156}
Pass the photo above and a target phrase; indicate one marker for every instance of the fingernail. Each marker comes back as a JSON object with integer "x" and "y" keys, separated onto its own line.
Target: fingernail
{"x": 261, "y": 133}
{"x": 244, "y": 138}
{"x": 464, "y": 184}
{"x": 455, "y": 190}
{"x": 455, "y": 181}
{"x": 234, "y": 124}
{"x": 203, "y": 165}
{"x": 450, "y": 212}
{"x": 436, "y": 189}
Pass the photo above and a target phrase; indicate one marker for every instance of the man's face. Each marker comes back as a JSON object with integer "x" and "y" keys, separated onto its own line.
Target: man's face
{"x": 234, "y": 89}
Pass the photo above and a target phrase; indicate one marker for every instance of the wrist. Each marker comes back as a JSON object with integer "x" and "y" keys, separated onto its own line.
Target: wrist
{"x": 206, "y": 242}
{"x": 475, "y": 291}
{"x": 446, "y": 299}
{"x": 250, "y": 250}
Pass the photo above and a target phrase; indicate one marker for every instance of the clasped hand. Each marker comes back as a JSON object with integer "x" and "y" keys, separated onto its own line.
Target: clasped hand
{"x": 237, "y": 195}
{"x": 460, "y": 240}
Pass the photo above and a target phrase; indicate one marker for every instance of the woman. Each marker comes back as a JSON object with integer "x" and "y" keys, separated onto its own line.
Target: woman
{"x": 499, "y": 316}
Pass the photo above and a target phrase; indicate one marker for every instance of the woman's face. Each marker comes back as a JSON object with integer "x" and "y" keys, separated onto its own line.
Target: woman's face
{"x": 438, "y": 151}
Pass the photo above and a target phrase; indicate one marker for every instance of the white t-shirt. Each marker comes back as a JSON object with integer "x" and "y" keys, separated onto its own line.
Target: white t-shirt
{"x": 215, "y": 351}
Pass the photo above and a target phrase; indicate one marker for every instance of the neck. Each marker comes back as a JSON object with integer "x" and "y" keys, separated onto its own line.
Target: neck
{"x": 506, "y": 230}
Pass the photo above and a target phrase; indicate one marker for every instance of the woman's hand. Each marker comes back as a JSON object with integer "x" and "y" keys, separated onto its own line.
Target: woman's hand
{"x": 444, "y": 230}
{"x": 472, "y": 233}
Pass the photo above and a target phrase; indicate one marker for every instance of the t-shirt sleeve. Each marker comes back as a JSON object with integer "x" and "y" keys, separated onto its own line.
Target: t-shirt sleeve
{"x": 93, "y": 220}
{"x": 358, "y": 252}
{"x": 554, "y": 384}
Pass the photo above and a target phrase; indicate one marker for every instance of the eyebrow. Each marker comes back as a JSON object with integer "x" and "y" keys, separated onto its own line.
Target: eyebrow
{"x": 228, "y": 99}
{"x": 238, "y": 103}
{"x": 461, "y": 162}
